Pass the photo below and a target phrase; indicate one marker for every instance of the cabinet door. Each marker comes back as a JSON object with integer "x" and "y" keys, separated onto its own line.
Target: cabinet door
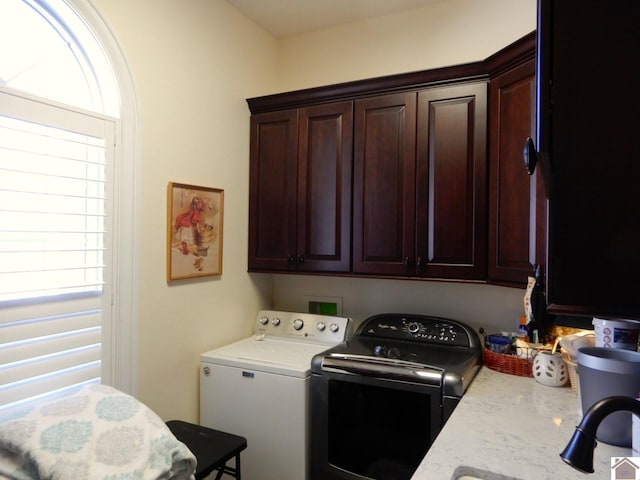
{"x": 515, "y": 242}
{"x": 588, "y": 126}
{"x": 324, "y": 187}
{"x": 272, "y": 190}
{"x": 451, "y": 182}
{"x": 384, "y": 184}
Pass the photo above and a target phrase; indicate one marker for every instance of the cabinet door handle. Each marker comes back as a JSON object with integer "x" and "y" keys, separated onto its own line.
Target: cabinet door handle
{"x": 291, "y": 259}
{"x": 419, "y": 263}
{"x": 530, "y": 156}
{"x": 407, "y": 261}
{"x": 300, "y": 259}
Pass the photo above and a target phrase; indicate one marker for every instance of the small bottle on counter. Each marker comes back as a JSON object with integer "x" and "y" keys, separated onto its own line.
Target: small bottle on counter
{"x": 523, "y": 331}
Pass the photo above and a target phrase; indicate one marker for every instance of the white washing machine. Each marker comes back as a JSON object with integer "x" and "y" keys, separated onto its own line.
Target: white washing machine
{"x": 259, "y": 388}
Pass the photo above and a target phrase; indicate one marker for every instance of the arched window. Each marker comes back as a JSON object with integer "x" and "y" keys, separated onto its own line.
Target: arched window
{"x": 63, "y": 248}
{"x": 48, "y": 50}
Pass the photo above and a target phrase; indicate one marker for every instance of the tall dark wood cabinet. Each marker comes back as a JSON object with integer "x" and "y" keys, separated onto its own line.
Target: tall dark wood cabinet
{"x": 588, "y": 123}
{"x": 451, "y": 182}
{"x": 300, "y": 189}
{"x": 517, "y": 201}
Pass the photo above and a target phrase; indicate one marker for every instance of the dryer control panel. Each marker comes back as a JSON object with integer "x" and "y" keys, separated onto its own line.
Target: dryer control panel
{"x": 301, "y": 327}
{"x": 420, "y": 328}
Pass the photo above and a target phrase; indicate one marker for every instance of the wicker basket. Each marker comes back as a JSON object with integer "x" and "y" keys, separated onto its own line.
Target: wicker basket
{"x": 572, "y": 367}
{"x": 510, "y": 364}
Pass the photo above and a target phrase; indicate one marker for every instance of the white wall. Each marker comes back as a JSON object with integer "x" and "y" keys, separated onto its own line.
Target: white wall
{"x": 446, "y": 33}
{"x": 194, "y": 63}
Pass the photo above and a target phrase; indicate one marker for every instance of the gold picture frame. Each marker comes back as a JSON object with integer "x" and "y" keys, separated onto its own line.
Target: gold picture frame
{"x": 194, "y": 231}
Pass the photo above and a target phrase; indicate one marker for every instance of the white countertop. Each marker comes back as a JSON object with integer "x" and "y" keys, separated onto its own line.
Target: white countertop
{"x": 512, "y": 426}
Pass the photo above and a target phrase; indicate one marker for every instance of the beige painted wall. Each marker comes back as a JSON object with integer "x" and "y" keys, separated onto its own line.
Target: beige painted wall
{"x": 479, "y": 305}
{"x": 194, "y": 63}
{"x": 446, "y": 33}
{"x": 193, "y": 67}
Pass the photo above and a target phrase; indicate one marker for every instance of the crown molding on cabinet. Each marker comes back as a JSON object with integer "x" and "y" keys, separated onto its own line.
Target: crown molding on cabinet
{"x": 519, "y": 52}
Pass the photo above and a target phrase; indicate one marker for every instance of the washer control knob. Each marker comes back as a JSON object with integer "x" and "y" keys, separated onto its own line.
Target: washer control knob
{"x": 413, "y": 327}
{"x": 275, "y": 321}
{"x": 321, "y": 326}
{"x": 298, "y": 323}
{"x": 264, "y": 320}
{"x": 334, "y": 327}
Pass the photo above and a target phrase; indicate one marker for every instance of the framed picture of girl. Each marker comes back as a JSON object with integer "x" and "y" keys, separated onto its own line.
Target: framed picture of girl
{"x": 194, "y": 231}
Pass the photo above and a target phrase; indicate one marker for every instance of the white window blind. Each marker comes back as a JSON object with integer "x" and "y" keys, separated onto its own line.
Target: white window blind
{"x": 54, "y": 244}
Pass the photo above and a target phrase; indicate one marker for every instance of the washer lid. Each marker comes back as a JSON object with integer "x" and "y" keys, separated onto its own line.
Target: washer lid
{"x": 267, "y": 355}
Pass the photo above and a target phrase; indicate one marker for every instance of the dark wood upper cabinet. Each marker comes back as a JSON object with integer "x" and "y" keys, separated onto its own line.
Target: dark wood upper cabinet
{"x": 390, "y": 176}
{"x": 300, "y": 189}
{"x": 514, "y": 195}
{"x": 273, "y": 172}
{"x": 420, "y": 183}
{"x": 325, "y": 153}
{"x": 384, "y": 184}
{"x": 588, "y": 123}
{"x": 452, "y": 182}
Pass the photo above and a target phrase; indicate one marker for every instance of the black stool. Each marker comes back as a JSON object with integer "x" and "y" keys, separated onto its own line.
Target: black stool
{"x": 212, "y": 448}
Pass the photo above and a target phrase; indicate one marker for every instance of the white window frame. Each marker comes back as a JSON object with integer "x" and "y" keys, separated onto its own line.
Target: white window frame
{"x": 126, "y": 210}
{"x": 120, "y": 337}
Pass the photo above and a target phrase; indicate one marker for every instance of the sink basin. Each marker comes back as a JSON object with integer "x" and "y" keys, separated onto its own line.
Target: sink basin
{"x": 464, "y": 472}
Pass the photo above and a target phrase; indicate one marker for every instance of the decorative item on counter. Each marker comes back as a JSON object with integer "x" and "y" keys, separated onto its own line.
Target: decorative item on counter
{"x": 616, "y": 333}
{"x": 506, "y": 362}
{"x": 528, "y": 308}
{"x": 531, "y": 325}
{"x": 549, "y": 369}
